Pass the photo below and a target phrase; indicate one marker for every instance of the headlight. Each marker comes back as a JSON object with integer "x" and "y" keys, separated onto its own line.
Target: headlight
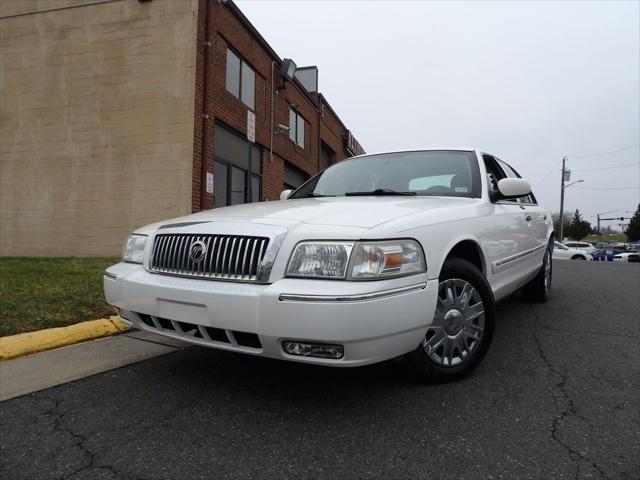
{"x": 133, "y": 251}
{"x": 394, "y": 258}
{"x": 320, "y": 260}
{"x": 356, "y": 260}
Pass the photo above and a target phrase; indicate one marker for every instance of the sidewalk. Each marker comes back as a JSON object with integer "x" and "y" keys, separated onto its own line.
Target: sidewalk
{"x": 28, "y": 374}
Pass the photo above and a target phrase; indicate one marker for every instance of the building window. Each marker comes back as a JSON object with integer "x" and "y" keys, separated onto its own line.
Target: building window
{"x": 293, "y": 177}
{"x": 241, "y": 79}
{"x": 237, "y": 169}
{"x": 296, "y": 127}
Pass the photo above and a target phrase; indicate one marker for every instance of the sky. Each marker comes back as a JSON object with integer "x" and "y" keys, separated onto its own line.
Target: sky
{"x": 530, "y": 82}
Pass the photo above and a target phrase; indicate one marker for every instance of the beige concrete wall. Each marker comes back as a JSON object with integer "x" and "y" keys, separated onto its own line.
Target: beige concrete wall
{"x": 96, "y": 121}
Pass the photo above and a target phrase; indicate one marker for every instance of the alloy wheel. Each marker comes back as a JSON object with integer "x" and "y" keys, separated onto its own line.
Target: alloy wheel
{"x": 458, "y": 324}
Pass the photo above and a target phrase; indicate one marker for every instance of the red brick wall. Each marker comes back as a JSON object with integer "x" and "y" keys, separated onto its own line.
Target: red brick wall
{"x": 227, "y": 31}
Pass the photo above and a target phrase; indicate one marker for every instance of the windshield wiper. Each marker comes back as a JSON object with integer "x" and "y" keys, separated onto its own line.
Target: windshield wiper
{"x": 377, "y": 192}
{"x": 314, "y": 195}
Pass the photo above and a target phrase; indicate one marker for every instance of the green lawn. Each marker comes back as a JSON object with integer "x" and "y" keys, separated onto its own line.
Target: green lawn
{"x": 37, "y": 293}
{"x": 614, "y": 237}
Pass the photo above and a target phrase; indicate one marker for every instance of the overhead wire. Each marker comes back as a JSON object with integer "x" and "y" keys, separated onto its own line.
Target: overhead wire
{"x": 609, "y": 188}
{"x": 605, "y": 153}
{"x": 604, "y": 168}
{"x": 541, "y": 182}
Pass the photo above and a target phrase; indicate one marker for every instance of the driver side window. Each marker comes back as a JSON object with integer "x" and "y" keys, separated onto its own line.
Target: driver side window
{"x": 494, "y": 174}
{"x": 529, "y": 199}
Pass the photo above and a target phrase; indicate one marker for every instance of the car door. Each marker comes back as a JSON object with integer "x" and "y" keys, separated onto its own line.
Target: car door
{"x": 535, "y": 216}
{"x": 511, "y": 238}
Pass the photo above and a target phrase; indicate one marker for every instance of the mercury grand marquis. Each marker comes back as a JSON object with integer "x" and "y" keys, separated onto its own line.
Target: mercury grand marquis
{"x": 383, "y": 256}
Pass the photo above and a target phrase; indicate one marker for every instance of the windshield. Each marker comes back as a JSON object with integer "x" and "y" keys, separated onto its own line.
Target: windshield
{"x": 425, "y": 173}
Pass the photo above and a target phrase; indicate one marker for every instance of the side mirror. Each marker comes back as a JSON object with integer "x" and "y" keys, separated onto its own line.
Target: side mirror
{"x": 513, "y": 188}
{"x": 285, "y": 194}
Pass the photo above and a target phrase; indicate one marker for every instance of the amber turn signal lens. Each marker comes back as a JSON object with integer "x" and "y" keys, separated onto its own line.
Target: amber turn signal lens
{"x": 393, "y": 260}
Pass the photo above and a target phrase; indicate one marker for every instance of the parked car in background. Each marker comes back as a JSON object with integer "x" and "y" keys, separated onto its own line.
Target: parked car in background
{"x": 619, "y": 245}
{"x": 562, "y": 252}
{"x": 376, "y": 257}
{"x": 627, "y": 257}
{"x": 605, "y": 254}
{"x": 584, "y": 246}
{"x": 633, "y": 247}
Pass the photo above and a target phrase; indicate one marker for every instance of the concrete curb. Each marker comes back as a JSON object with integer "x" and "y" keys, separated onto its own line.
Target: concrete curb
{"x": 33, "y": 342}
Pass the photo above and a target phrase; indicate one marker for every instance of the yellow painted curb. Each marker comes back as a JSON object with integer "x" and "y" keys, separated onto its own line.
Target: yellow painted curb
{"x": 33, "y": 342}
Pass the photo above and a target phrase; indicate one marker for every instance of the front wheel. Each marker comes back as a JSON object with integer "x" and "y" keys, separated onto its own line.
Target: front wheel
{"x": 578, "y": 257}
{"x": 462, "y": 327}
{"x": 539, "y": 288}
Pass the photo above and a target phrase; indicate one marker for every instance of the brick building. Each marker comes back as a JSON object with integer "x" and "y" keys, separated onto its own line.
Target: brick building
{"x": 118, "y": 113}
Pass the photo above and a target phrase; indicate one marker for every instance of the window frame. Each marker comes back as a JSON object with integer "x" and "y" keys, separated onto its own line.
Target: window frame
{"x": 247, "y": 180}
{"x": 248, "y": 173}
{"x": 243, "y": 64}
{"x": 293, "y": 129}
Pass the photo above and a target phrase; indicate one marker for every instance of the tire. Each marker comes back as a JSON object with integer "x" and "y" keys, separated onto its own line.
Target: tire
{"x": 453, "y": 345}
{"x": 578, "y": 257}
{"x": 539, "y": 289}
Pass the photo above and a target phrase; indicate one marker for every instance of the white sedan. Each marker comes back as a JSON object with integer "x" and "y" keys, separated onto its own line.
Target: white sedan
{"x": 627, "y": 257}
{"x": 376, "y": 257}
{"x": 562, "y": 252}
{"x": 583, "y": 246}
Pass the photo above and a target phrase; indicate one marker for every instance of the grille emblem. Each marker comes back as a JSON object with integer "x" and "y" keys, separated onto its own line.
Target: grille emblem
{"x": 197, "y": 251}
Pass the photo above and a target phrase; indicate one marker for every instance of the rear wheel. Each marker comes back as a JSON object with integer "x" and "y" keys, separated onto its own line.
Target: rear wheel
{"x": 462, "y": 327}
{"x": 578, "y": 257}
{"x": 539, "y": 289}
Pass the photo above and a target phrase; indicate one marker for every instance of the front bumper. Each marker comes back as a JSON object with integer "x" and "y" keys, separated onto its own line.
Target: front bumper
{"x": 374, "y": 321}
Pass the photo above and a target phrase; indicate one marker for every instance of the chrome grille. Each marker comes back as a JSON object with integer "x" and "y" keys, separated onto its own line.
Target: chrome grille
{"x": 227, "y": 257}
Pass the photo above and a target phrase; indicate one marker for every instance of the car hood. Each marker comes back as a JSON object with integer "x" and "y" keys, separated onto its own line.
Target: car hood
{"x": 362, "y": 212}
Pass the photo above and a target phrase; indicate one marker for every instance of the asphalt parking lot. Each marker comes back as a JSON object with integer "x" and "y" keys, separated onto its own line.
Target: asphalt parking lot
{"x": 556, "y": 397}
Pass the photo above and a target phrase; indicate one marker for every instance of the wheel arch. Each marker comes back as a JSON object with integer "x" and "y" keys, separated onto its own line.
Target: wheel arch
{"x": 551, "y": 238}
{"x": 469, "y": 250}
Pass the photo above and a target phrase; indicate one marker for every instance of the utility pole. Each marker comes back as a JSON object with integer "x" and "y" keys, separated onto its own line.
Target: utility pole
{"x": 562, "y": 180}
{"x": 565, "y": 177}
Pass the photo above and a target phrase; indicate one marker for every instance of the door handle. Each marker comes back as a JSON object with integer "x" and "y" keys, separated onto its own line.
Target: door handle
{"x": 528, "y": 217}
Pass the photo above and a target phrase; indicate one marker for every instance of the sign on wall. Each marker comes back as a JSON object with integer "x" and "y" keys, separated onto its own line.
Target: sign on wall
{"x": 209, "y": 182}
{"x": 251, "y": 126}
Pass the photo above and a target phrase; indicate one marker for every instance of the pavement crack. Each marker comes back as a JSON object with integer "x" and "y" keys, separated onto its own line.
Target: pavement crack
{"x": 58, "y": 426}
{"x": 569, "y": 409}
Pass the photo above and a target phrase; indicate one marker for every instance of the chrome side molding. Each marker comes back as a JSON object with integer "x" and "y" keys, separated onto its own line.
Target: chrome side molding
{"x": 293, "y": 297}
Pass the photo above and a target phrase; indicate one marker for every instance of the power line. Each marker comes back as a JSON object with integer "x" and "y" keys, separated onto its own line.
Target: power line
{"x": 605, "y": 168}
{"x": 604, "y": 153}
{"x": 541, "y": 182}
{"x": 608, "y": 188}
